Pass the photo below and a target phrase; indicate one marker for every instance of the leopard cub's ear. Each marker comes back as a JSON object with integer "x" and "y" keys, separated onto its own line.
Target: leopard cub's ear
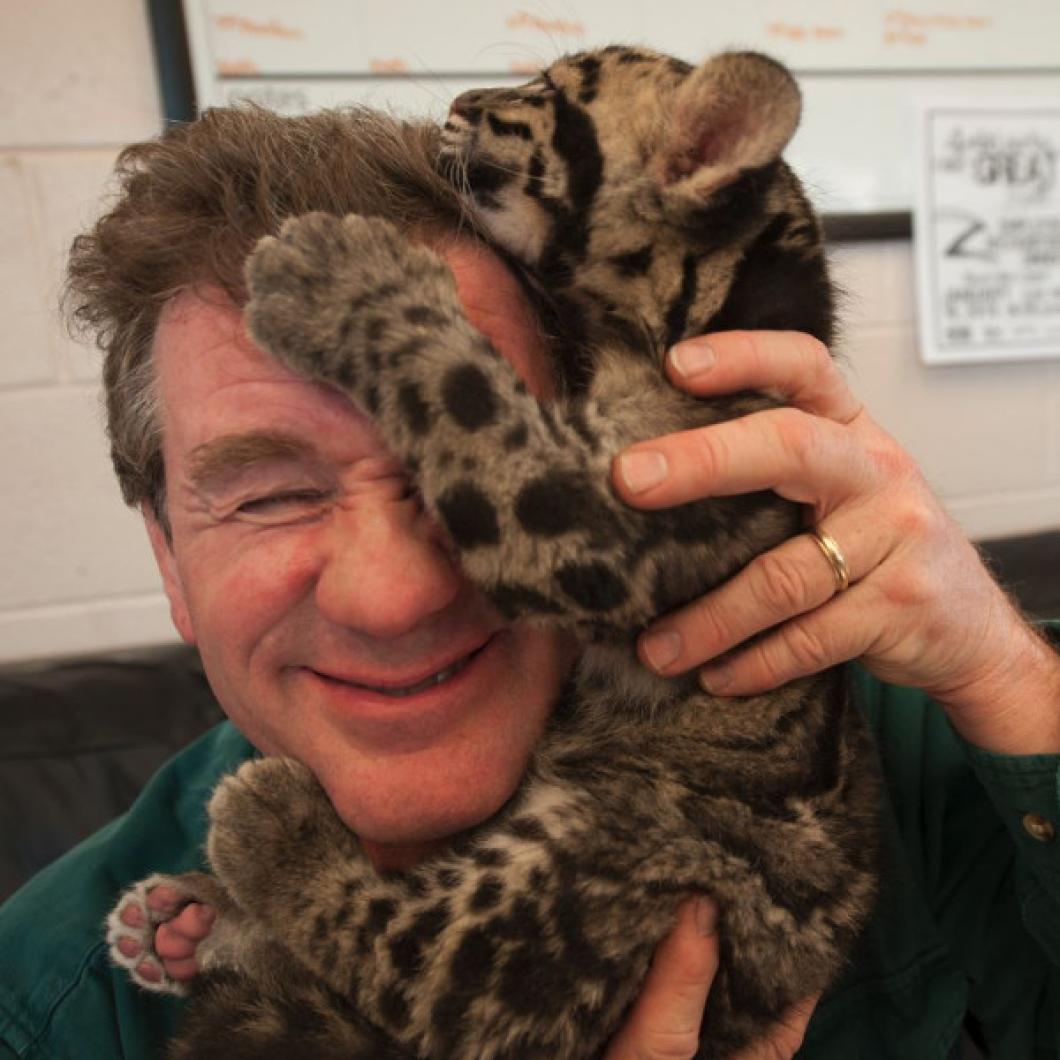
{"x": 735, "y": 112}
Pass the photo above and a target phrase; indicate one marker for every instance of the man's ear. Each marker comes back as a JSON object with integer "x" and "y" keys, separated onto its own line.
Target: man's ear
{"x": 171, "y": 580}
{"x": 734, "y": 113}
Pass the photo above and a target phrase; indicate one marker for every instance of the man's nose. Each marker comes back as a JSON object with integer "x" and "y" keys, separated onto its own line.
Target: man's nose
{"x": 385, "y": 572}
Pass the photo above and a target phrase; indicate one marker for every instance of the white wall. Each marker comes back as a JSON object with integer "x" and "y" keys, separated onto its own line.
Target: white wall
{"x": 77, "y": 81}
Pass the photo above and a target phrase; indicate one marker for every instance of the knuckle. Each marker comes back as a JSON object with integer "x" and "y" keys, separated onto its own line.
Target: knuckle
{"x": 910, "y": 586}
{"x": 707, "y": 631}
{"x": 807, "y": 651}
{"x": 892, "y": 462}
{"x": 916, "y": 519}
{"x": 670, "y": 1045}
{"x": 797, "y": 433}
{"x": 709, "y": 453}
{"x": 779, "y": 585}
{"x": 816, "y": 358}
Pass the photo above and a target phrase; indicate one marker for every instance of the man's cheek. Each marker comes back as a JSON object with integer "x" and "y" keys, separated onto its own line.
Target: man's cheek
{"x": 242, "y": 584}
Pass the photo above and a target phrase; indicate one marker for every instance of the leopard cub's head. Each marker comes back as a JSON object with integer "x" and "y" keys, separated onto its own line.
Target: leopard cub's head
{"x": 616, "y": 172}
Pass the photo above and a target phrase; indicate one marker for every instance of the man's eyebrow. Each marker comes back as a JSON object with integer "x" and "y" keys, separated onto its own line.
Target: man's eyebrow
{"x": 221, "y": 458}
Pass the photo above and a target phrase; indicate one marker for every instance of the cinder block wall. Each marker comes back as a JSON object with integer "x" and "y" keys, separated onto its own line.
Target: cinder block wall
{"x": 76, "y": 82}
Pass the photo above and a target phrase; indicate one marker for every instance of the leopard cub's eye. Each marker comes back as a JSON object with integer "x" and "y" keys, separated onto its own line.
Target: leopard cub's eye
{"x": 540, "y": 86}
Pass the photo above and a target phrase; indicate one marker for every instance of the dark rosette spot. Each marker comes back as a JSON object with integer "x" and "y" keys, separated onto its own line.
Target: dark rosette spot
{"x": 345, "y": 376}
{"x": 473, "y": 960}
{"x": 380, "y": 912}
{"x": 375, "y": 329}
{"x": 488, "y": 893}
{"x": 528, "y": 828}
{"x": 468, "y": 397}
{"x": 394, "y": 1008}
{"x": 414, "y": 408}
{"x": 469, "y": 516}
{"x": 634, "y": 262}
{"x": 558, "y": 502}
{"x": 515, "y": 600}
{"x": 489, "y": 857}
{"x": 592, "y": 585}
{"x": 407, "y": 948}
{"x": 424, "y": 315}
{"x": 449, "y": 878}
{"x": 516, "y": 437}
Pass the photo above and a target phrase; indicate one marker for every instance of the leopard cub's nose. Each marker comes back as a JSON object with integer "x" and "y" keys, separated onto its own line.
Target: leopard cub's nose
{"x": 468, "y": 105}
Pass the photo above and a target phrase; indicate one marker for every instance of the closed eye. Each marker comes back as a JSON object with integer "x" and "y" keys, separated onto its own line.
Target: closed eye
{"x": 286, "y": 504}
{"x": 540, "y": 86}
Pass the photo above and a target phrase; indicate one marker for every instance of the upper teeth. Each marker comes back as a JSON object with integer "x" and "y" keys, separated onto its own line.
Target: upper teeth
{"x": 427, "y": 682}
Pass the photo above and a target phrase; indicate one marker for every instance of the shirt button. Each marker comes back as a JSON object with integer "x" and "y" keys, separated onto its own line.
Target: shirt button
{"x": 1039, "y": 827}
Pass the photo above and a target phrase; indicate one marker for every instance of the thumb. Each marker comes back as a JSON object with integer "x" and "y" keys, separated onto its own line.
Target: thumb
{"x": 665, "y": 1020}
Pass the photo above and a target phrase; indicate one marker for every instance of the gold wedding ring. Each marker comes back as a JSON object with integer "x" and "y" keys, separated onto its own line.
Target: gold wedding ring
{"x": 834, "y": 554}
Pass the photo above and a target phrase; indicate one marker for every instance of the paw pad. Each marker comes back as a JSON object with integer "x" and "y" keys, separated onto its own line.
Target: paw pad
{"x": 131, "y": 928}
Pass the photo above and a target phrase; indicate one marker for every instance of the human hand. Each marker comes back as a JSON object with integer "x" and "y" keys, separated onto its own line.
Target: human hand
{"x": 176, "y": 940}
{"x": 921, "y": 609}
{"x": 664, "y": 1023}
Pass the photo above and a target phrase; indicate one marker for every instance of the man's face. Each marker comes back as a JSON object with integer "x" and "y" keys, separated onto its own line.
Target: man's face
{"x": 322, "y": 598}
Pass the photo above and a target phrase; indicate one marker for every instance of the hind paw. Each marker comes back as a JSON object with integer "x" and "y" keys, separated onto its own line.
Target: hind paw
{"x": 134, "y": 922}
{"x": 324, "y": 291}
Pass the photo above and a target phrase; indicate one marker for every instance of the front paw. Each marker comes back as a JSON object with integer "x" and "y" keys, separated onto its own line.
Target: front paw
{"x": 325, "y": 292}
{"x": 271, "y": 829}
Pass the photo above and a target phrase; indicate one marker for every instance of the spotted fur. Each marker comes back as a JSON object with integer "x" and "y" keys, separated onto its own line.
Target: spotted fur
{"x": 649, "y": 199}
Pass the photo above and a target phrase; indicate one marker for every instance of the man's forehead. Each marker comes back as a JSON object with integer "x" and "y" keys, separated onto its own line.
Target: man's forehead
{"x": 495, "y": 303}
{"x": 201, "y": 342}
{"x": 200, "y": 321}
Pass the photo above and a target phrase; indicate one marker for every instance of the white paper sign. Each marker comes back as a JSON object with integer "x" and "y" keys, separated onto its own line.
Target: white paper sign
{"x": 988, "y": 232}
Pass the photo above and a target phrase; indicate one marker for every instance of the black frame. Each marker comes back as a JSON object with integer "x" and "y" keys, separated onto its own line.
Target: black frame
{"x": 176, "y": 86}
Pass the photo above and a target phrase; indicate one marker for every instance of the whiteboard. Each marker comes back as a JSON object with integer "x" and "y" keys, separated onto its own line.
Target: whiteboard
{"x": 863, "y": 65}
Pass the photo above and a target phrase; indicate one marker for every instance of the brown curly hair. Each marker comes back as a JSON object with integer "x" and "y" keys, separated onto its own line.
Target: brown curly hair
{"x": 189, "y": 206}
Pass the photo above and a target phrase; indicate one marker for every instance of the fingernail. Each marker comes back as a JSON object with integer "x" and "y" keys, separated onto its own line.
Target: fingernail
{"x": 661, "y": 649}
{"x": 642, "y": 470}
{"x": 715, "y": 679}
{"x": 692, "y": 358}
{"x": 706, "y": 916}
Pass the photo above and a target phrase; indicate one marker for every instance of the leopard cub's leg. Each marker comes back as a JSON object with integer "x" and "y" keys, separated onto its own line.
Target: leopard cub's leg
{"x": 522, "y": 487}
{"x": 275, "y": 840}
{"x": 406, "y": 950}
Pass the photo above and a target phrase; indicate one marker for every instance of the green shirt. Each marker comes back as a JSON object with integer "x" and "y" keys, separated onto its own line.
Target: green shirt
{"x": 969, "y": 918}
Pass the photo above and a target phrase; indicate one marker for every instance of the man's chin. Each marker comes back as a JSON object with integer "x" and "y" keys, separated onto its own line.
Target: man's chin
{"x": 392, "y": 857}
{"x": 397, "y": 832}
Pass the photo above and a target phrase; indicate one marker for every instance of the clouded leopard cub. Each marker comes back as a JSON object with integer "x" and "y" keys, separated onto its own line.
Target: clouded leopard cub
{"x": 648, "y": 198}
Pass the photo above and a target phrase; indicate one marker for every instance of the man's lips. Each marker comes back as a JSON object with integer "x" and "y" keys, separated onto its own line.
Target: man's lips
{"x": 399, "y": 688}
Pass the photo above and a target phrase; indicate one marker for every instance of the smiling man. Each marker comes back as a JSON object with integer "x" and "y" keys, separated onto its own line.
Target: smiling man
{"x": 335, "y": 625}
{"x": 331, "y": 617}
